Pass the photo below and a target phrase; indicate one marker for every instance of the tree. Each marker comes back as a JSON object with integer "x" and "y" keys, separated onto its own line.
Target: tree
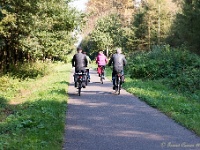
{"x": 186, "y": 29}
{"x": 152, "y": 22}
{"x": 35, "y": 29}
{"x": 99, "y": 9}
{"x": 107, "y": 34}
{"x": 16, "y": 22}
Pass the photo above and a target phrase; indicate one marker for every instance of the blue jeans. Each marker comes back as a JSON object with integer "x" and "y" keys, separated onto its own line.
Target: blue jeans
{"x": 88, "y": 73}
{"x": 113, "y": 75}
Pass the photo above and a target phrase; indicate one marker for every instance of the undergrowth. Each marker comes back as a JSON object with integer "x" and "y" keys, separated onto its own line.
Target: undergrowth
{"x": 33, "y": 110}
{"x": 179, "y": 67}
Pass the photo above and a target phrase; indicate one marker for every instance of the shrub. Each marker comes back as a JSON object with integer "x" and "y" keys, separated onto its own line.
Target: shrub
{"x": 30, "y": 70}
{"x": 179, "y": 66}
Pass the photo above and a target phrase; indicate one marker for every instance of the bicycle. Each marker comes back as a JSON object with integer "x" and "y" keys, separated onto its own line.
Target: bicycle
{"x": 101, "y": 73}
{"x": 79, "y": 80}
{"x": 118, "y": 82}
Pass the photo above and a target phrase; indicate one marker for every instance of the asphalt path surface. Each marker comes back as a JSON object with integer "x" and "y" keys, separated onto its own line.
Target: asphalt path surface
{"x": 99, "y": 119}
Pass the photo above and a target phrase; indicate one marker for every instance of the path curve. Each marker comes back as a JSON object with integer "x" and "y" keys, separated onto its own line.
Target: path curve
{"x": 102, "y": 120}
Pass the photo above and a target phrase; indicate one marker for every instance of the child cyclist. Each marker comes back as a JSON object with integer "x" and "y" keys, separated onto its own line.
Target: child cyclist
{"x": 101, "y": 61}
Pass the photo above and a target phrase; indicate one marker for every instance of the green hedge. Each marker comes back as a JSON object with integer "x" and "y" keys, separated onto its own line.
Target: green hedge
{"x": 179, "y": 67}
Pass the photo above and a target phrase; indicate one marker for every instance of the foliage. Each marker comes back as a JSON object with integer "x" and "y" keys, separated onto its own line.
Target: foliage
{"x": 106, "y": 35}
{"x": 173, "y": 22}
{"x": 15, "y": 79}
{"x": 151, "y": 23}
{"x": 179, "y": 66}
{"x": 36, "y": 29}
{"x": 98, "y": 9}
{"x": 37, "y": 119}
{"x": 30, "y": 70}
{"x": 99, "y": 41}
{"x": 186, "y": 30}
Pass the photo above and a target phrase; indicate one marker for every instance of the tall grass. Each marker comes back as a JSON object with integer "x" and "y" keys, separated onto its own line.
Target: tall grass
{"x": 33, "y": 117}
{"x": 20, "y": 78}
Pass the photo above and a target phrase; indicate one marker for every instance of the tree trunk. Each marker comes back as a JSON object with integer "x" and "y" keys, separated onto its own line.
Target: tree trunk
{"x": 149, "y": 32}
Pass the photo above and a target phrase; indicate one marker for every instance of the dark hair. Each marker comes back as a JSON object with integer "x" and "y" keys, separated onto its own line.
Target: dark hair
{"x": 79, "y": 48}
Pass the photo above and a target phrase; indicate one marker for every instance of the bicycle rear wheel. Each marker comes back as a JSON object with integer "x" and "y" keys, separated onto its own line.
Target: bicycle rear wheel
{"x": 86, "y": 81}
{"x": 119, "y": 88}
{"x": 79, "y": 91}
{"x": 101, "y": 78}
{"x": 117, "y": 85}
{"x": 102, "y": 74}
{"x": 87, "y": 77}
{"x": 79, "y": 88}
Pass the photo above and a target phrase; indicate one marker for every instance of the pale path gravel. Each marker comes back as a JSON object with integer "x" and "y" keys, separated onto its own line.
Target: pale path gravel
{"x": 102, "y": 120}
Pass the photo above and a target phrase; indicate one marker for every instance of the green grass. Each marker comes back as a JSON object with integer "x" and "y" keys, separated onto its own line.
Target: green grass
{"x": 183, "y": 108}
{"x": 33, "y": 114}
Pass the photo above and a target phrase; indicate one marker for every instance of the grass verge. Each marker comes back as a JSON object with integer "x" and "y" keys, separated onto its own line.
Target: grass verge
{"x": 33, "y": 116}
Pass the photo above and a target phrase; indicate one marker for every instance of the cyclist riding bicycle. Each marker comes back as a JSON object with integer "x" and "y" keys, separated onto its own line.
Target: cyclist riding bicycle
{"x": 119, "y": 61}
{"x": 101, "y": 61}
{"x": 79, "y": 61}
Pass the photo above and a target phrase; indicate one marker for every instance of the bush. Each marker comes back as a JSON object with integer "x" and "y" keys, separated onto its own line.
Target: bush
{"x": 188, "y": 80}
{"x": 179, "y": 66}
{"x": 30, "y": 70}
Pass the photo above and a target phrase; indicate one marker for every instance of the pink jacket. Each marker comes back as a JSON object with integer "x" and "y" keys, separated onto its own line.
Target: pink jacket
{"x": 101, "y": 60}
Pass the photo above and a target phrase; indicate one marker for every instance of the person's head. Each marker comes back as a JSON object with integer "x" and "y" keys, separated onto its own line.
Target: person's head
{"x": 118, "y": 50}
{"x": 100, "y": 52}
{"x": 79, "y": 49}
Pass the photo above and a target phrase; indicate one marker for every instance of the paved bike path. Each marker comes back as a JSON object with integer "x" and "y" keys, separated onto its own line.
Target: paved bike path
{"x": 102, "y": 120}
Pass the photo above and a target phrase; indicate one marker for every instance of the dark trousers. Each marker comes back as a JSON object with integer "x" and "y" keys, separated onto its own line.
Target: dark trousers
{"x": 114, "y": 72}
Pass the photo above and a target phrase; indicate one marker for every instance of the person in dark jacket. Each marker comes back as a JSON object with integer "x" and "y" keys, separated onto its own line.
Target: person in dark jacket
{"x": 79, "y": 61}
{"x": 119, "y": 61}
